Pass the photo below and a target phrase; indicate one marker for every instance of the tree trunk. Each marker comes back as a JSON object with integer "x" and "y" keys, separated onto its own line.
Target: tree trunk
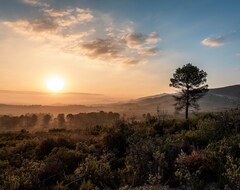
{"x": 187, "y": 103}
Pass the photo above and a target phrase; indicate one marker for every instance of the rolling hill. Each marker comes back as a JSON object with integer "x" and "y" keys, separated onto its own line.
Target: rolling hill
{"x": 216, "y": 99}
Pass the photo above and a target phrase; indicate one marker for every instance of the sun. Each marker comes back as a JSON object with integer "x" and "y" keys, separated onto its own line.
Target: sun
{"x": 55, "y": 84}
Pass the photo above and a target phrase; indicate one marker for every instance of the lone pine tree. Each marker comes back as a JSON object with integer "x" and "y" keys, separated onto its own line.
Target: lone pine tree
{"x": 191, "y": 81}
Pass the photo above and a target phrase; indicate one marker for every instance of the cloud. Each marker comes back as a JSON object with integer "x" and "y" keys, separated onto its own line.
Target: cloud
{"x": 93, "y": 35}
{"x": 42, "y": 26}
{"x": 67, "y": 17}
{"x": 84, "y": 14}
{"x": 53, "y": 22}
{"x": 58, "y": 13}
{"x": 36, "y": 3}
{"x": 214, "y": 41}
{"x": 108, "y": 49}
{"x": 148, "y": 51}
{"x": 132, "y": 61}
{"x": 153, "y": 38}
{"x": 143, "y": 44}
{"x": 45, "y": 28}
{"x": 137, "y": 40}
{"x": 114, "y": 50}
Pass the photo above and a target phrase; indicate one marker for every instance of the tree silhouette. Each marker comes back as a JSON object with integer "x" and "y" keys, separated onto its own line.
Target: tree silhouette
{"x": 61, "y": 120}
{"x": 46, "y": 120}
{"x": 191, "y": 81}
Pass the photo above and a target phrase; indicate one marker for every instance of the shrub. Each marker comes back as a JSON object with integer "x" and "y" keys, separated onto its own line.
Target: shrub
{"x": 24, "y": 177}
{"x": 226, "y": 146}
{"x": 87, "y": 185}
{"x": 232, "y": 173}
{"x": 144, "y": 162}
{"x": 194, "y": 170}
{"x": 50, "y": 172}
{"x": 44, "y": 148}
{"x": 69, "y": 159}
{"x": 4, "y": 164}
{"x": 25, "y": 148}
{"x": 96, "y": 170}
{"x": 66, "y": 142}
{"x": 205, "y": 132}
{"x": 115, "y": 138}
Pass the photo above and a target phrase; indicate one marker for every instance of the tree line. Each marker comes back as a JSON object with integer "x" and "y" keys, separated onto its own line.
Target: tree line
{"x": 28, "y": 121}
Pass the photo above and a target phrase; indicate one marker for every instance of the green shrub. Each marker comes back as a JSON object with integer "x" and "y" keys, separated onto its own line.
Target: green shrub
{"x": 24, "y": 177}
{"x": 144, "y": 162}
{"x": 4, "y": 164}
{"x": 232, "y": 173}
{"x": 68, "y": 158}
{"x": 87, "y": 185}
{"x": 226, "y": 146}
{"x": 66, "y": 142}
{"x": 205, "y": 133}
{"x": 50, "y": 172}
{"x": 195, "y": 170}
{"x": 44, "y": 148}
{"x": 98, "y": 171}
{"x": 115, "y": 138}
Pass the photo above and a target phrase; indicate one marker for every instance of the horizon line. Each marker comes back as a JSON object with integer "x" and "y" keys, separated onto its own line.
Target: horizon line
{"x": 45, "y": 92}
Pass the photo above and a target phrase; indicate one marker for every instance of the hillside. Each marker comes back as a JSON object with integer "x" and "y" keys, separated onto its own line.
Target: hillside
{"x": 216, "y": 99}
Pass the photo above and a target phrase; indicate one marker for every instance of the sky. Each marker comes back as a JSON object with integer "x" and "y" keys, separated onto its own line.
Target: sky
{"x": 122, "y": 49}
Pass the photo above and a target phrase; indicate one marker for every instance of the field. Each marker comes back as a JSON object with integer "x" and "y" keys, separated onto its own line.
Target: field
{"x": 105, "y": 151}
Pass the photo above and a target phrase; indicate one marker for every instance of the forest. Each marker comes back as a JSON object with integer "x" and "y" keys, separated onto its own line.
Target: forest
{"x": 102, "y": 150}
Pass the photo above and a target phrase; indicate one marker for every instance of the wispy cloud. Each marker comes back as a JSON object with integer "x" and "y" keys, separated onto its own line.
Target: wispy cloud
{"x": 213, "y": 41}
{"x": 53, "y": 23}
{"x": 148, "y": 51}
{"x": 36, "y": 3}
{"x": 153, "y": 38}
{"x": 105, "y": 48}
{"x": 109, "y": 50}
{"x": 111, "y": 42}
{"x": 144, "y": 45}
{"x": 58, "y": 13}
{"x": 137, "y": 40}
{"x": 116, "y": 49}
{"x": 84, "y": 14}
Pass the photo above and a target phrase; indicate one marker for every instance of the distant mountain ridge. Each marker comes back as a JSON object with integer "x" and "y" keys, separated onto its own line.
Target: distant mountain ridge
{"x": 50, "y": 98}
{"x": 216, "y": 99}
{"x": 233, "y": 91}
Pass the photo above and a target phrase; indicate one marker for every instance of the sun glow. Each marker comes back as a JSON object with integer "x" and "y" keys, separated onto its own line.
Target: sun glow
{"x": 55, "y": 84}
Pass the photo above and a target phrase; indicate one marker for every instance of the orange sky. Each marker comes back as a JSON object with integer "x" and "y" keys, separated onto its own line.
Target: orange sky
{"x": 34, "y": 62}
{"x": 120, "y": 49}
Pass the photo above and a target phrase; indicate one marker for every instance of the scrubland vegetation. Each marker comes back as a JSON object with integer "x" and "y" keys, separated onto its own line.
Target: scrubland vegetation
{"x": 103, "y": 151}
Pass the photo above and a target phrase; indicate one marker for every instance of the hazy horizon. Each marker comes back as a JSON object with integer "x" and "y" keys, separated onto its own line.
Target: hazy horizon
{"x": 69, "y": 98}
{"x": 49, "y": 98}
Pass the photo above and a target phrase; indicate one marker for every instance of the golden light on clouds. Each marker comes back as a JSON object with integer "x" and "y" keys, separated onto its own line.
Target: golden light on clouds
{"x": 55, "y": 84}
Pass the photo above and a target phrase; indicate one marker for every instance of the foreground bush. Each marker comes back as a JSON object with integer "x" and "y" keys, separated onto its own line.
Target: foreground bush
{"x": 155, "y": 153}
